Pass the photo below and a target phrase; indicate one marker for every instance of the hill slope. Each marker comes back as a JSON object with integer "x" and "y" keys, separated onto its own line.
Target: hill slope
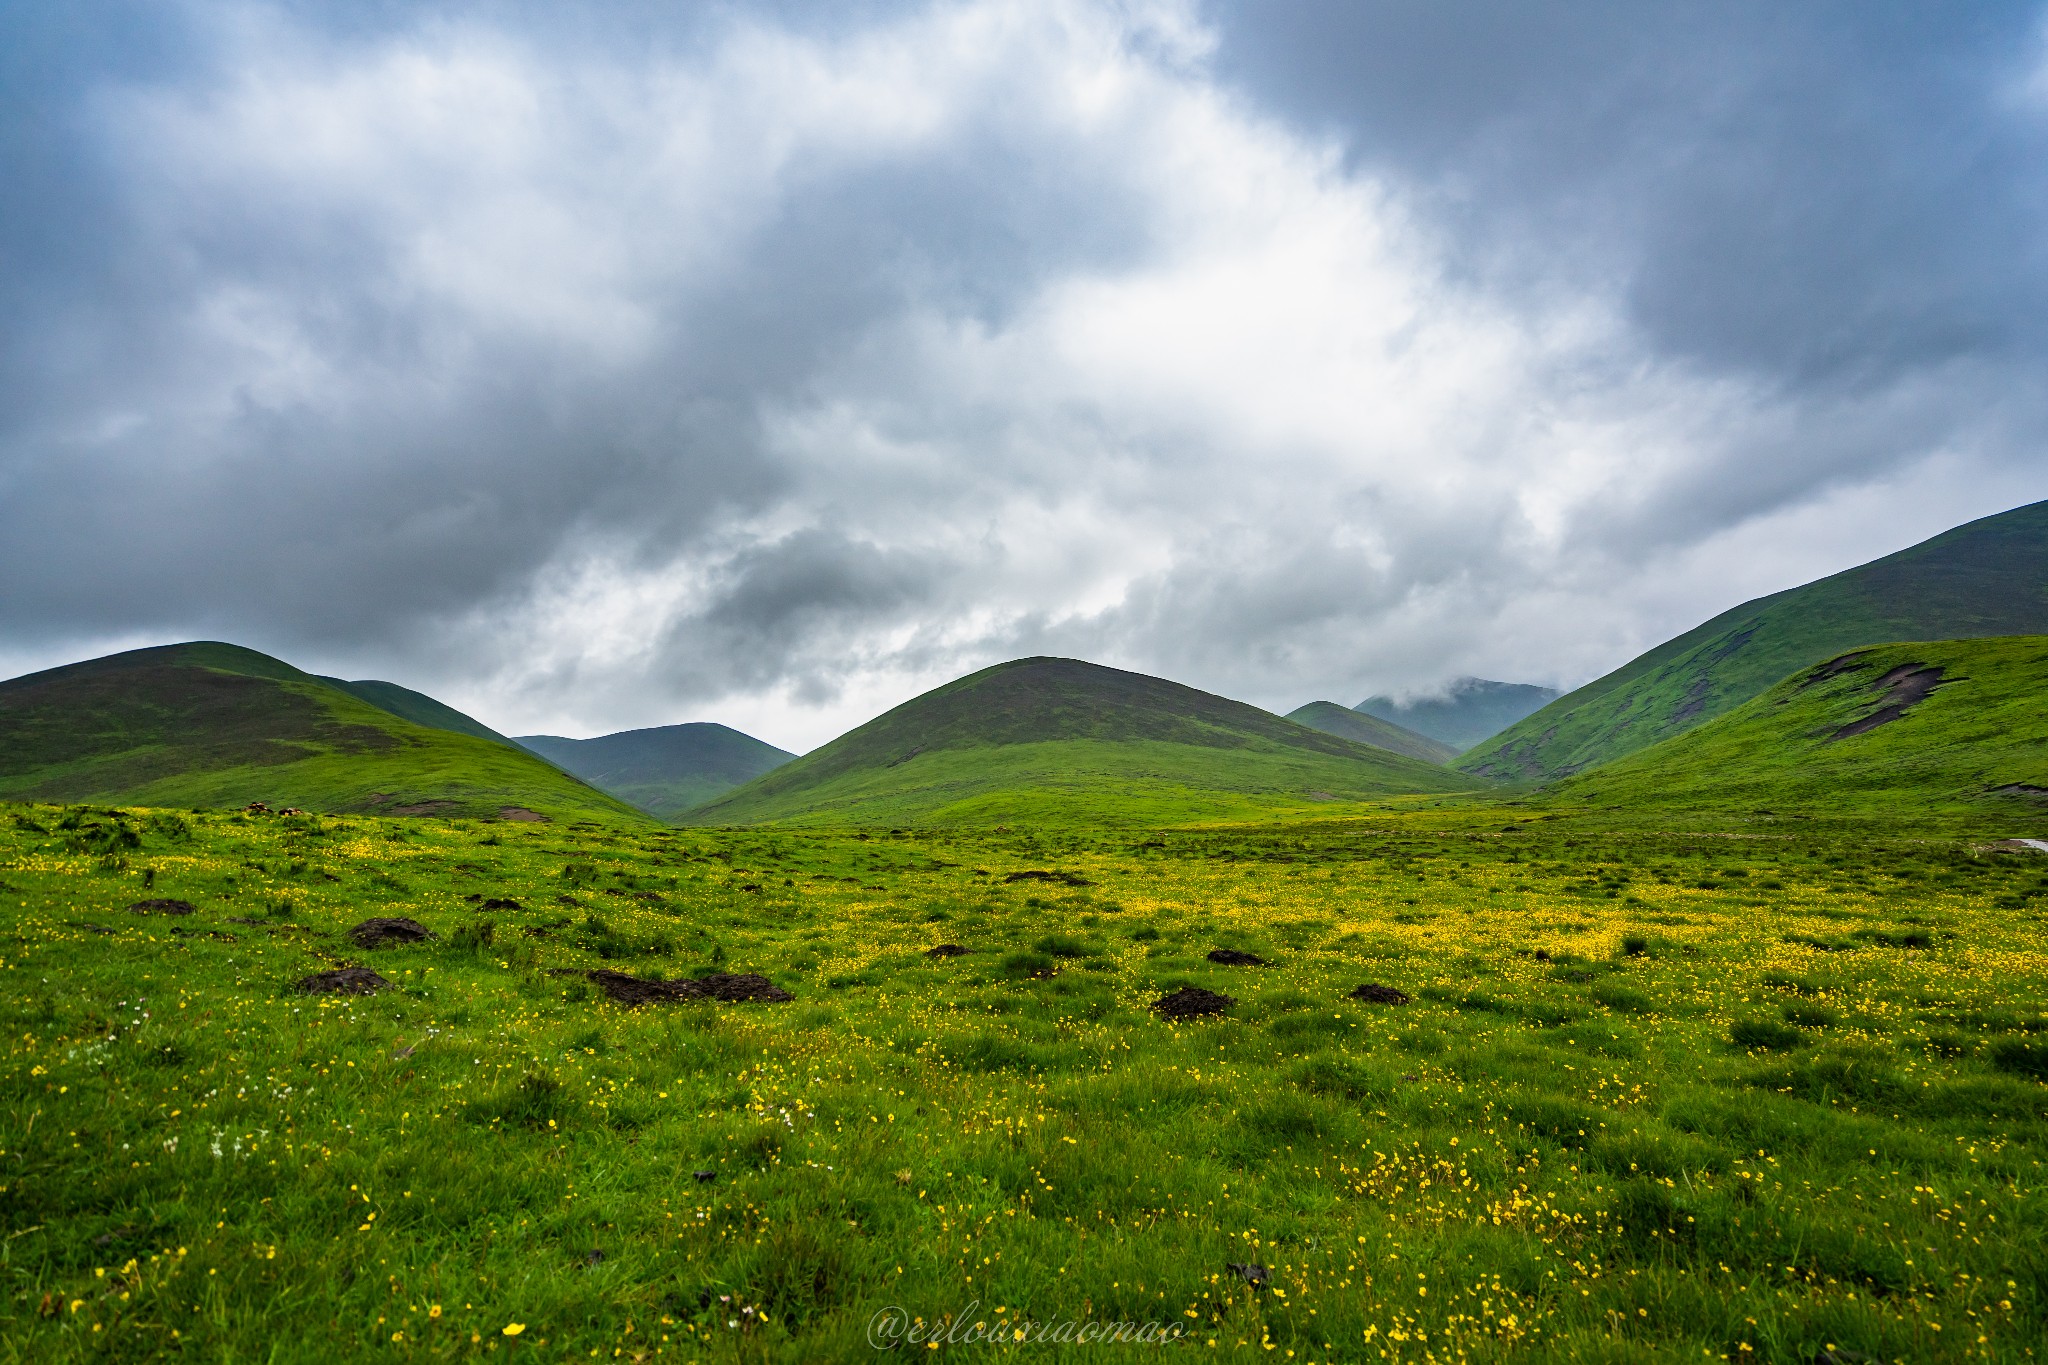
{"x": 212, "y": 724}
{"x": 1361, "y": 728}
{"x": 1987, "y": 578}
{"x": 417, "y": 707}
{"x": 1474, "y": 709}
{"x": 664, "y": 770}
{"x": 1066, "y": 741}
{"x": 1955, "y": 726}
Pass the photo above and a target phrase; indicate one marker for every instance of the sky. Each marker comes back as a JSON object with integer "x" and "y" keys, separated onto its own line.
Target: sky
{"x": 594, "y": 366}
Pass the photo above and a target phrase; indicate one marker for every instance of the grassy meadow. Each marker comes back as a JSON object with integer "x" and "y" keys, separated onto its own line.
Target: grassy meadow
{"x": 1656, "y": 1096}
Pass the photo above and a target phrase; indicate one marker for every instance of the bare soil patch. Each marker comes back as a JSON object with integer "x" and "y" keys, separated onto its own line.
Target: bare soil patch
{"x": 161, "y": 907}
{"x": 522, "y": 814}
{"x": 342, "y": 981}
{"x": 1057, "y": 878}
{"x": 629, "y": 990}
{"x": 1899, "y": 691}
{"x": 946, "y": 950}
{"x": 1231, "y": 957}
{"x": 1380, "y": 995}
{"x": 1190, "y": 1002}
{"x": 378, "y": 933}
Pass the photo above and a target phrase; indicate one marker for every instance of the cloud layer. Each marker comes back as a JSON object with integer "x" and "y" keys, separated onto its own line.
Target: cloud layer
{"x": 591, "y": 370}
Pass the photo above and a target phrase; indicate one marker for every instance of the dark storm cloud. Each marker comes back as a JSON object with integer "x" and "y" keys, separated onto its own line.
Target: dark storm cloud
{"x": 602, "y": 364}
{"x": 1819, "y": 194}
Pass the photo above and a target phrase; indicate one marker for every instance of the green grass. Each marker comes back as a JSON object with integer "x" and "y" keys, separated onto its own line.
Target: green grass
{"x": 1982, "y": 729}
{"x": 1987, "y": 578}
{"x": 1658, "y": 1096}
{"x": 209, "y": 725}
{"x": 1345, "y": 723}
{"x": 1070, "y": 742}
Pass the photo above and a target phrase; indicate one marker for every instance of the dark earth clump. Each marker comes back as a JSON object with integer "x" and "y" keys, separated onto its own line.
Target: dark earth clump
{"x": 500, "y": 903}
{"x": 342, "y": 981}
{"x": 945, "y": 950}
{"x": 1061, "y": 878}
{"x": 630, "y": 990}
{"x": 161, "y": 907}
{"x": 1380, "y": 995}
{"x": 1191, "y": 1001}
{"x": 1231, "y": 957}
{"x": 1899, "y": 691}
{"x": 375, "y": 933}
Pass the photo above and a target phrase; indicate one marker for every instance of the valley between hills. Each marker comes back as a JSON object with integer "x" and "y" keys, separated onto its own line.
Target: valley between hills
{"x": 1694, "y": 1013}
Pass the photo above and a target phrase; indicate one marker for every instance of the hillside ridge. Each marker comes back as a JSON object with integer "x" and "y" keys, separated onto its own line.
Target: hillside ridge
{"x": 1986, "y": 578}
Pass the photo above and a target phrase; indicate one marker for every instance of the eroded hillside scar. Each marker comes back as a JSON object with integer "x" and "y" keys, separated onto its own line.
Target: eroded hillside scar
{"x": 1900, "y": 690}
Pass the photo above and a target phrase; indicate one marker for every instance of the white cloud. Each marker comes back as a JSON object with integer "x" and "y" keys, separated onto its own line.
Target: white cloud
{"x": 779, "y": 381}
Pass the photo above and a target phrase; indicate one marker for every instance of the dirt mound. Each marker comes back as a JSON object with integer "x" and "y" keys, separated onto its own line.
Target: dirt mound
{"x": 731, "y": 986}
{"x": 500, "y": 903}
{"x": 946, "y": 950}
{"x": 1231, "y": 957}
{"x": 1190, "y": 1001}
{"x": 521, "y": 814}
{"x": 1380, "y": 995}
{"x": 162, "y": 907}
{"x": 376, "y": 933}
{"x": 1059, "y": 878}
{"x": 342, "y": 981}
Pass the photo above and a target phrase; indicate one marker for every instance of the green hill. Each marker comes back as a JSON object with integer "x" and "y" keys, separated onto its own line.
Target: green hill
{"x": 1472, "y": 710}
{"x": 209, "y": 724}
{"x": 1062, "y": 741}
{"x": 1987, "y": 578}
{"x": 1361, "y": 728}
{"x": 1898, "y": 730}
{"x": 417, "y": 707}
{"x": 664, "y": 770}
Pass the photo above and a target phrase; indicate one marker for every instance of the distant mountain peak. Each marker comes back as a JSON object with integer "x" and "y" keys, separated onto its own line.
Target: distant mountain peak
{"x": 1466, "y": 712}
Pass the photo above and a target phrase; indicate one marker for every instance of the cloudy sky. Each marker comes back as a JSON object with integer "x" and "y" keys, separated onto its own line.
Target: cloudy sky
{"x": 613, "y": 365}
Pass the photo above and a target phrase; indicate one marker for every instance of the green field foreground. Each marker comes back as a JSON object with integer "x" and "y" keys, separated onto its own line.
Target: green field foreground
{"x": 1656, "y": 1096}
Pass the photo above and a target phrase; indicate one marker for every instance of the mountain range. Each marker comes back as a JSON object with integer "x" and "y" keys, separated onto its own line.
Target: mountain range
{"x": 1469, "y": 711}
{"x": 1910, "y": 682}
{"x": 1066, "y": 740}
{"x": 665, "y": 770}
{"x": 212, "y": 724}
